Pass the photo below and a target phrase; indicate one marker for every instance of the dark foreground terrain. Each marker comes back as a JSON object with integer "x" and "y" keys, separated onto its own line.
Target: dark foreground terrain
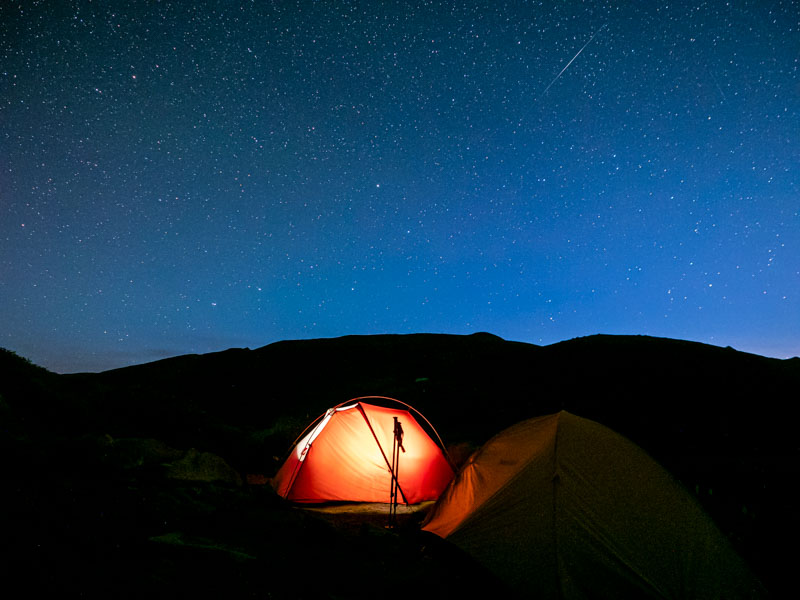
{"x": 149, "y": 480}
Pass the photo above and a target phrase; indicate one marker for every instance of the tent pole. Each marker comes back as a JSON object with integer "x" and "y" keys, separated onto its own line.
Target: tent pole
{"x": 397, "y": 446}
{"x": 392, "y": 486}
{"x": 383, "y": 454}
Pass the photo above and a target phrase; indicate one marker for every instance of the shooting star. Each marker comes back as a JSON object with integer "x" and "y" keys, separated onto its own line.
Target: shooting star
{"x": 573, "y": 59}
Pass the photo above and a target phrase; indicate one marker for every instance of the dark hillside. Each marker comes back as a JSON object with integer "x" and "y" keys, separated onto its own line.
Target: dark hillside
{"x": 153, "y": 456}
{"x": 251, "y": 404}
{"x": 20, "y": 379}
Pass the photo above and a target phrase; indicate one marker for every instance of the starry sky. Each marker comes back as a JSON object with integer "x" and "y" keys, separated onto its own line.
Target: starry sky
{"x": 185, "y": 177}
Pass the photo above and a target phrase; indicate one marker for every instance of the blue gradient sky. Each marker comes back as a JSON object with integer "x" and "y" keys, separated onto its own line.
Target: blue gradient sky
{"x": 179, "y": 178}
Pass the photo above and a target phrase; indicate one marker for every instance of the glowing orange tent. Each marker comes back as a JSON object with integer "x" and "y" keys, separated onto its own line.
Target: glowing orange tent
{"x": 346, "y": 455}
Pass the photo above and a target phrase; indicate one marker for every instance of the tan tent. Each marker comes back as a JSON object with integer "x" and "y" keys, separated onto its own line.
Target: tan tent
{"x": 563, "y": 507}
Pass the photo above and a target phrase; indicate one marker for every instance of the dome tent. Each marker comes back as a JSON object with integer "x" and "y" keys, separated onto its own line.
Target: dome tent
{"x": 345, "y": 455}
{"x": 563, "y": 507}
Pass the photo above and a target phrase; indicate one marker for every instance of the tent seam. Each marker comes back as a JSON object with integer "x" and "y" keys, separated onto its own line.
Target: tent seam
{"x": 513, "y": 478}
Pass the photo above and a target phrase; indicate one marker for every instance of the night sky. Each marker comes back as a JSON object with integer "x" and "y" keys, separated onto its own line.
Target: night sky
{"x": 185, "y": 177}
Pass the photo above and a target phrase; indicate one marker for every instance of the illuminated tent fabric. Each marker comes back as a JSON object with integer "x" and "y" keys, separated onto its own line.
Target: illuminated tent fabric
{"x": 346, "y": 456}
{"x": 563, "y": 507}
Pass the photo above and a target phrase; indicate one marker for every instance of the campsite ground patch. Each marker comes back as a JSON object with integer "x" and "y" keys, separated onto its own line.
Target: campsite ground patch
{"x": 358, "y": 515}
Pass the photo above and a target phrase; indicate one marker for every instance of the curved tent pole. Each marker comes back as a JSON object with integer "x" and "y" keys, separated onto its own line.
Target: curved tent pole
{"x": 323, "y": 415}
{"x": 316, "y": 421}
{"x": 438, "y": 437}
{"x": 313, "y": 424}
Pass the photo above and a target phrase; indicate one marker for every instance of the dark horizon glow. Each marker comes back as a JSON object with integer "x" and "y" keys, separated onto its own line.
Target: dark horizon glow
{"x": 183, "y": 179}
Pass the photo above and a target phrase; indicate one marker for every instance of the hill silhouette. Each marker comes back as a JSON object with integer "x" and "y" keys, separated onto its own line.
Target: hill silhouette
{"x": 184, "y": 431}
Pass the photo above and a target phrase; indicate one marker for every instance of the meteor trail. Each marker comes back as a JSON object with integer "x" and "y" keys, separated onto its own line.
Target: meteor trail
{"x": 573, "y": 59}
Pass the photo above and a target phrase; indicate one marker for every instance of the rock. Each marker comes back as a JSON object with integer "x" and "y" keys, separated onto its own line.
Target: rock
{"x": 202, "y": 466}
